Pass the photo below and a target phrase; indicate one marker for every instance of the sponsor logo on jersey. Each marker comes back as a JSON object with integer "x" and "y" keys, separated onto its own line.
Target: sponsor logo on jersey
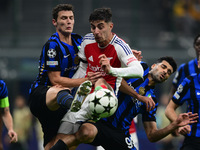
{"x": 51, "y": 53}
{"x": 52, "y": 63}
{"x": 96, "y": 69}
{"x": 66, "y": 56}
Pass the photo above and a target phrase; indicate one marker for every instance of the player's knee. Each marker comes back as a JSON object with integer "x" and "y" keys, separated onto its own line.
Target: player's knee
{"x": 86, "y": 134}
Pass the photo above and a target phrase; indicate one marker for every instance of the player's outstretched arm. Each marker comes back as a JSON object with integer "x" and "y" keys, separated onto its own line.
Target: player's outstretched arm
{"x": 155, "y": 134}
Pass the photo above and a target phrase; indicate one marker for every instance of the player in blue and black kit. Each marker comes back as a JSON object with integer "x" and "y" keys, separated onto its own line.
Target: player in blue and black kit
{"x": 188, "y": 91}
{"x": 186, "y": 69}
{"x": 5, "y": 113}
{"x": 113, "y": 132}
{"x": 57, "y": 65}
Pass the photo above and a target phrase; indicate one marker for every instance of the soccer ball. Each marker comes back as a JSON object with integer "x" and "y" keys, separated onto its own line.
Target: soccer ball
{"x": 102, "y": 103}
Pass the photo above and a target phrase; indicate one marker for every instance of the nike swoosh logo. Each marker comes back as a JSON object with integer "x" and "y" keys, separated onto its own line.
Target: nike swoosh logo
{"x": 66, "y": 56}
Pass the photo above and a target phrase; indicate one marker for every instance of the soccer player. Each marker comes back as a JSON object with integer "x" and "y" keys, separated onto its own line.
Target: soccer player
{"x": 186, "y": 69}
{"x": 188, "y": 91}
{"x": 49, "y": 95}
{"x": 113, "y": 132}
{"x": 5, "y": 113}
{"x": 106, "y": 53}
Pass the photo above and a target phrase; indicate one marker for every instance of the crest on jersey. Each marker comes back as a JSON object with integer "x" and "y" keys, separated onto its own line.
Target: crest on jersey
{"x": 141, "y": 91}
{"x": 76, "y": 59}
{"x": 51, "y": 53}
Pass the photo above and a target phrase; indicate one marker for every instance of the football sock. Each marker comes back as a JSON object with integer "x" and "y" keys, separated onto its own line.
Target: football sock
{"x": 60, "y": 145}
{"x": 64, "y": 98}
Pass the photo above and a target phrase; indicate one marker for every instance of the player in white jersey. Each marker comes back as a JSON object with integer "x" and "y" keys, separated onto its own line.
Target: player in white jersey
{"x": 106, "y": 53}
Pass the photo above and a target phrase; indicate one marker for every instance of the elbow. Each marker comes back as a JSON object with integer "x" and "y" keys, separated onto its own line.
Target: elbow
{"x": 152, "y": 139}
{"x": 139, "y": 71}
{"x": 167, "y": 111}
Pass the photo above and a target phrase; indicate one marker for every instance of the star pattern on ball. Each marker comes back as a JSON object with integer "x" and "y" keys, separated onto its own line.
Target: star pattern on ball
{"x": 107, "y": 108}
{"x": 96, "y": 101}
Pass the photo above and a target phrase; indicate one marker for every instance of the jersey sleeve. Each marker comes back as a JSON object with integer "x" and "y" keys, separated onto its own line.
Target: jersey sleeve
{"x": 131, "y": 67}
{"x": 4, "y": 102}
{"x": 150, "y": 116}
{"x": 87, "y": 39}
{"x": 51, "y": 56}
{"x": 183, "y": 92}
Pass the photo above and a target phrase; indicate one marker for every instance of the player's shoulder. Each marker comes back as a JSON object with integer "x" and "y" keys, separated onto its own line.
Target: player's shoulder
{"x": 118, "y": 41}
{"x": 120, "y": 45}
{"x": 2, "y": 83}
{"x": 88, "y": 36}
{"x": 76, "y": 36}
{"x": 187, "y": 63}
{"x": 3, "y": 86}
{"x": 144, "y": 65}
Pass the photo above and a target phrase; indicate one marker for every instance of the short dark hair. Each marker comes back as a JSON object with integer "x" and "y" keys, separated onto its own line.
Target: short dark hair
{"x": 60, "y": 7}
{"x": 170, "y": 60}
{"x": 195, "y": 39}
{"x": 101, "y": 14}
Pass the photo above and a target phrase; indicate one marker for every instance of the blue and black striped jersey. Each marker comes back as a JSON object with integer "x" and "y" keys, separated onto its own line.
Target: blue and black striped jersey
{"x": 3, "y": 90}
{"x": 58, "y": 56}
{"x": 4, "y": 102}
{"x": 185, "y": 70}
{"x": 129, "y": 107}
{"x": 189, "y": 91}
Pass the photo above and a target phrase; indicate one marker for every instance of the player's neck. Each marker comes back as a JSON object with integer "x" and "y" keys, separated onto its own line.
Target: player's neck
{"x": 151, "y": 81}
{"x": 106, "y": 42}
{"x": 66, "y": 38}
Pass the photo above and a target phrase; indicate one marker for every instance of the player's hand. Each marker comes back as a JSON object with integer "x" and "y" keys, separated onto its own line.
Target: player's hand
{"x": 94, "y": 76}
{"x": 150, "y": 104}
{"x": 186, "y": 118}
{"x": 184, "y": 130}
{"x": 13, "y": 136}
{"x": 105, "y": 63}
{"x": 137, "y": 54}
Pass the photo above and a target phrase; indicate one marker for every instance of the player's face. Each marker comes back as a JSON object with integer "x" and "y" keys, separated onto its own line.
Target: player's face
{"x": 65, "y": 22}
{"x": 102, "y": 32}
{"x": 161, "y": 71}
{"x": 197, "y": 46}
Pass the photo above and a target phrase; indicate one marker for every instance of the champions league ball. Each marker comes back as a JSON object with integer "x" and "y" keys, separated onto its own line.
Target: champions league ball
{"x": 102, "y": 103}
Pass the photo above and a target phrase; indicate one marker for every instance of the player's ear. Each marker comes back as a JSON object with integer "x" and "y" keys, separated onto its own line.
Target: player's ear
{"x": 152, "y": 66}
{"x": 54, "y": 22}
{"x": 111, "y": 25}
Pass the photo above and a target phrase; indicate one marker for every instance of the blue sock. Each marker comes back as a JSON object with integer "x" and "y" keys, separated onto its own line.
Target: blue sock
{"x": 64, "y": 98}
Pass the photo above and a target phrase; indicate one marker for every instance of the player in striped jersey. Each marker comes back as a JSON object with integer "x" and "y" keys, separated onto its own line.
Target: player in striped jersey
{"x": 49, "y": 95}
{"x": 186, "y": 69}
{"x": 109, "y": 55}
{"x": 5, "y": 113}
{"x": 188, "y": 91}
{"x": 113, "y": 132}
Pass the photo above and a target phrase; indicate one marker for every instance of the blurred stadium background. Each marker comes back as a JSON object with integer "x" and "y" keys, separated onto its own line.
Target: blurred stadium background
{"x": 149, "y": 26}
